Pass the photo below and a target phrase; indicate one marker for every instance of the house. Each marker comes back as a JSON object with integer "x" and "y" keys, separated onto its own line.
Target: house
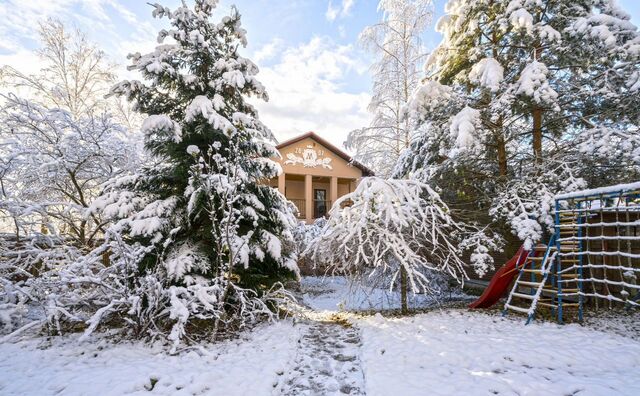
{"x": 315, "y": 174}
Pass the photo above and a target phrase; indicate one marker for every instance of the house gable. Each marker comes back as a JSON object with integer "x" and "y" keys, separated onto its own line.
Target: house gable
{"x": 310, "y": 154}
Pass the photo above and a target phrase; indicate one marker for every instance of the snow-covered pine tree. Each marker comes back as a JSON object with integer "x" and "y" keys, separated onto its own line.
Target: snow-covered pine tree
{"x": 203, "y": 236}
{"x": 538, "y": 83}
{"x": 396, "y": 41}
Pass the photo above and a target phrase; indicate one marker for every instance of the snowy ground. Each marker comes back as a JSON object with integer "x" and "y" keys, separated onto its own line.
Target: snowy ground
{"x": 250, "y": 366}
{"x": 336, "y": 294}
{"x": 441, "y": 352}
{"x": 455, "y": 352}
{"x": 327, "y": 361}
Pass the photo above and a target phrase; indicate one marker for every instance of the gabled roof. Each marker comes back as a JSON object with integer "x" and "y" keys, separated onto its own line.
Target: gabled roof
{"x": 365, "y": 171}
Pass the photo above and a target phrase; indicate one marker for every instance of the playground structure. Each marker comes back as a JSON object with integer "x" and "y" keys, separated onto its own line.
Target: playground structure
{"x": 592, "y": 259}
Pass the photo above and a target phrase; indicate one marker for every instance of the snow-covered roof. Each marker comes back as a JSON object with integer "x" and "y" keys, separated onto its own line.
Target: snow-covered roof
{"x": 601, "y": 190}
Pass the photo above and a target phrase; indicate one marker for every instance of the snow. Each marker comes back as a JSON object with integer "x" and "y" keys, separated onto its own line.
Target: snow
{"x": 548, "y": 33}
{"x": 327, "y": 361}
{"x": 333, "y": 293}
{"x": 442, "y": 352}
{"x": 234, "y": 78}
{"x": 429, "y": 96}
{"x": 455, "y": 352}
{"x": 203, "y": 106}
{"x": 161, "y": 122}
{"x": 521, "y": 19}
{"x": 487, "y": 73}
{"x": 192, "y": 149}
{"x": 601, "y": 190}
{"x": 533, "y": 83}
{"x": 183, "y": 260}
{"x": 463, "y": 130}
{"x": 248, "y": 366}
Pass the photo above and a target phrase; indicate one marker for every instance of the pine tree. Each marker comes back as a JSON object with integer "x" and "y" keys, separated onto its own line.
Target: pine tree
{"x": 536, "y": 82}
{"x": 207, "y": 237}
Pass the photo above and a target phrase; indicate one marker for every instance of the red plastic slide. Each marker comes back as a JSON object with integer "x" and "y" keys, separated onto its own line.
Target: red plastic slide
{"x": 500, "y": 281}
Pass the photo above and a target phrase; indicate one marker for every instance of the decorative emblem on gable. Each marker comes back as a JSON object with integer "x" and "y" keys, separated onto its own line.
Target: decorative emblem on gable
{"x": 309, "y": 158}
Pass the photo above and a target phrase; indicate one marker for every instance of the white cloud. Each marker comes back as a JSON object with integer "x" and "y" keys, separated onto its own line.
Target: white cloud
{"x": 346, "y": 7}
{"x": 268, "y": 51}
{"x": 332, "y": 12}
{"x": 306, "y": 94}
{"x": 339, "y": 11}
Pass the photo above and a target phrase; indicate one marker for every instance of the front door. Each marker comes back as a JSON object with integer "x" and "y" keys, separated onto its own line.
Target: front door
{"x": 319, "y": 203}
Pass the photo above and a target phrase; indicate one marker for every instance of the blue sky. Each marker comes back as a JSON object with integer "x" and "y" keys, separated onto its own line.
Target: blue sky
{"x": 311, "y": 63}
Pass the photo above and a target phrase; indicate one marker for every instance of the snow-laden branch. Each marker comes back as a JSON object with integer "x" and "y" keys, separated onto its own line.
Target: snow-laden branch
{"x": 392, "y": 225}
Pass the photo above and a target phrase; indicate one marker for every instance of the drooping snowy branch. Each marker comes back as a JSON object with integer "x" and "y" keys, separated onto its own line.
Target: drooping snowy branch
{"x": 394, "y": 225}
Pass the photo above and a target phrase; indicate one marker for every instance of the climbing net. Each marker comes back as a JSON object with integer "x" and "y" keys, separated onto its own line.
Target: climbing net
{"x": 598, "y": 234}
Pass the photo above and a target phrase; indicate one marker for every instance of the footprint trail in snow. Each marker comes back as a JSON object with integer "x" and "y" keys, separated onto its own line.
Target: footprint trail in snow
{"x": 327, "y": 362}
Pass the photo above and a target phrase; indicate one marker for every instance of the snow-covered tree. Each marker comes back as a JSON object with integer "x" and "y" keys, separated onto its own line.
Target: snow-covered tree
{"x": 402, "y": 230}
{"x": 75, "y": 75}
{"x": 531, "y": 88}
{"x": 397, "y": 44}
{"x": 60, "y": 138}
{"x": 198, "y": 238}
{"x": 528, "y": 203}
{"x": 53, "y": 164}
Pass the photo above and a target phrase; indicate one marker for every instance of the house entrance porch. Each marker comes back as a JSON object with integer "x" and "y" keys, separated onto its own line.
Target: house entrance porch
{"x": 313, "y": 195}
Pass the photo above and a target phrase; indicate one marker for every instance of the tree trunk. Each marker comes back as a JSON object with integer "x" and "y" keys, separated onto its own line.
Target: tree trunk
{"x": 83, "y": 232}
{"x": 501, "y": 148}
{"x": 502, "y": 156}
{"x": 537, "y": 135}
{"x": 403, "y": 290}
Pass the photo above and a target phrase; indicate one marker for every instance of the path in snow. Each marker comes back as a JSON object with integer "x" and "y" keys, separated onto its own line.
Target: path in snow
{"x": 327, "y": 362}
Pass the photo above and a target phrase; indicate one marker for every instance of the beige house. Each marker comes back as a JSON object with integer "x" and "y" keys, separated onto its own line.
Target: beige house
{"x": 315, "y": 174}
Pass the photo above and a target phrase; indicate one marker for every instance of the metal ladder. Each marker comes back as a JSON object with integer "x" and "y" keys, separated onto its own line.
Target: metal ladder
{"x": 532, "y": 276}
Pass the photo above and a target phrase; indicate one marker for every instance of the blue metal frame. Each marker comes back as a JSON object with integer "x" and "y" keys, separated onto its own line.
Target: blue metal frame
{"x": 558, "y": 273}
{"x": 580, "y": 258}
{"x": 581, "y": 220}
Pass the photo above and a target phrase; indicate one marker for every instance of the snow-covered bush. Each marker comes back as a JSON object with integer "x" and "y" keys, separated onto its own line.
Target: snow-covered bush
{"x": 26, "y": 264}
{"x": 60, "y": 138}
{"x": 304, "y": 235}
{"x": 402, "y": 230}
{"x": 54, "y": 164}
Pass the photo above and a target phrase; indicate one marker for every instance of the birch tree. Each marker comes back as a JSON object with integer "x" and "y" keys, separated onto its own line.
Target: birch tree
{"x": 75, "y": 76}
{"x": 397, "y": 45}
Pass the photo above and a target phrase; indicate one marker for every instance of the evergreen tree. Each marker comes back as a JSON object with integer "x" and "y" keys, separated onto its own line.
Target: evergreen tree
{"x": 204, "y": 237}
{"x": 532, "y": 85}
